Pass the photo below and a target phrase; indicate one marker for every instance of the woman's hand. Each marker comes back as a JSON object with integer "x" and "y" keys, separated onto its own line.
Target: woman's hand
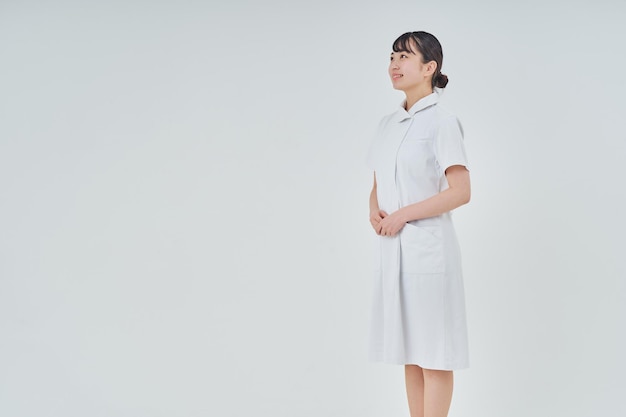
{"x": 392, "y": 223}
{"x": 375, "y": 217}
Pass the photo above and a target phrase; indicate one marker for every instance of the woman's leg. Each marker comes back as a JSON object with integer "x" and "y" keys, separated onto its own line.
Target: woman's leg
{"x": 414, "y": 379}
{"x": 437, "y": 392}
{"x": 429, "y": 391}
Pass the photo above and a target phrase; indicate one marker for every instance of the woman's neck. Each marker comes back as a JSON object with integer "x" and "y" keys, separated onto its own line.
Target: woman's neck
{"x": 416, "y": 95}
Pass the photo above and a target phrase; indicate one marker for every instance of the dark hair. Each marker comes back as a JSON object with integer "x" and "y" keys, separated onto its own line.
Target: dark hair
{"x": 429, "y": 47}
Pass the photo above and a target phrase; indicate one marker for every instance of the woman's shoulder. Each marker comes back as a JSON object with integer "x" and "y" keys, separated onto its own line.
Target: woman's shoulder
{"x": 445, "y": 123}
{"x": 443, "y": 115}
{"x": 389, "y": 116}
{"x": 384, "y": 121}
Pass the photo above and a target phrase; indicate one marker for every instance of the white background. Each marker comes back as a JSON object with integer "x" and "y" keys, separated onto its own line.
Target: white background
{"x": 183, "y": 205}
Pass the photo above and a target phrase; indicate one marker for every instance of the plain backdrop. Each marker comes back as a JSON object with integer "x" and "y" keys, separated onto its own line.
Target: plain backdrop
{"x": 184, "y": 220}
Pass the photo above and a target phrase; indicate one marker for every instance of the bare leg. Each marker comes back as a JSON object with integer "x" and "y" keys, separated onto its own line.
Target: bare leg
{"x": 429, "y": 391}
{"x": 437, "y": 392}
{"x": 414, "y": 378}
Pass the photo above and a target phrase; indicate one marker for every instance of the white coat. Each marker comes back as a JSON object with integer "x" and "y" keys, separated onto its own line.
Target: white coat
{"x": 418, "y": 309}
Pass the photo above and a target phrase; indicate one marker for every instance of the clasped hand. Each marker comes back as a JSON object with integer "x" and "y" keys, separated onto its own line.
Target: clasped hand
{"x": 387, "y": 224}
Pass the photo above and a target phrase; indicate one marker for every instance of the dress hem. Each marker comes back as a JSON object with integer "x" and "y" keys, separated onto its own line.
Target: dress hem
{"x": 422, "y": 364}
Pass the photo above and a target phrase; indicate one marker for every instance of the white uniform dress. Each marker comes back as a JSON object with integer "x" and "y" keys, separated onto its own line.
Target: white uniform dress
{"x": 418, "y": 309}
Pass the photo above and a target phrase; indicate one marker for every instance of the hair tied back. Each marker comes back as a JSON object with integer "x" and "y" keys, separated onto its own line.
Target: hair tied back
{"x": 441, "y": 80}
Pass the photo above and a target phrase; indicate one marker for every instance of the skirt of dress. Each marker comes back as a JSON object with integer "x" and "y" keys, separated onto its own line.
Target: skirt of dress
{"x": 418, "y": 306}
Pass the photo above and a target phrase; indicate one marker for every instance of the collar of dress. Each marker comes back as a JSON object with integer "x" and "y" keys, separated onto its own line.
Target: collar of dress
{"x": 423, "y": 103}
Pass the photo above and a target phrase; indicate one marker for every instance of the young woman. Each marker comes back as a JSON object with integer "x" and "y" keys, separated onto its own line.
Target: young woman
{"x": 420, "y": 175}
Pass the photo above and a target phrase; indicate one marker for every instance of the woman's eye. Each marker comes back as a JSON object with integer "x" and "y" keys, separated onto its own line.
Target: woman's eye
{"x": 403, "y": 56}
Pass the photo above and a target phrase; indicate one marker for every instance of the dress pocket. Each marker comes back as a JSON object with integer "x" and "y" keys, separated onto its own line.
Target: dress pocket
{"x": 421, "y": 249}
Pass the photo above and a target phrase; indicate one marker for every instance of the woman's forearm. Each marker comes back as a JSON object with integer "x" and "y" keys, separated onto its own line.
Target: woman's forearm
{"x": 440, "y": 203}
{"x": 374, "y": 207}
{"x": 374, "y": 201}
{"x": 456, "y": 195}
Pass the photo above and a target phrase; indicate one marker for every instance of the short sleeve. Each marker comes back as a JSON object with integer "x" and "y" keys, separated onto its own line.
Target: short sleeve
{"x": 449, "y": 146}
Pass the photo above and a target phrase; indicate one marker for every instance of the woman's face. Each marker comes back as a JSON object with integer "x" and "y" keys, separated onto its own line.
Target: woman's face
{"x": 407, "y": 71}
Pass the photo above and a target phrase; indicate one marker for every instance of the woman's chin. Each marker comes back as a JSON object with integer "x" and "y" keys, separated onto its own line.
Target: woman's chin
{"x": 395, "y": 85}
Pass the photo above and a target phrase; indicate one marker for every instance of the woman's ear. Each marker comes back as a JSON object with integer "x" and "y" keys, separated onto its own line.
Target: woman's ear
{"x": 431, "y": 67}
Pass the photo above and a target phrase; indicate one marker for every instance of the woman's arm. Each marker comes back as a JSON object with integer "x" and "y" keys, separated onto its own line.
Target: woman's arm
{"x": 376, "y": 214}
{"x": 457, "y": 194}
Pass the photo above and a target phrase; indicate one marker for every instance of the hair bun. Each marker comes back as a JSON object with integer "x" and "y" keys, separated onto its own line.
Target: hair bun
{"x": 441, "y": 80}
